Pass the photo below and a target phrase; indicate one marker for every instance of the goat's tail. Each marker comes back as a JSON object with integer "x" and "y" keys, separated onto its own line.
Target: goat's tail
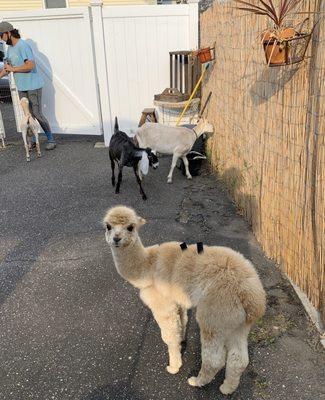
{"x": 116, "y": 128}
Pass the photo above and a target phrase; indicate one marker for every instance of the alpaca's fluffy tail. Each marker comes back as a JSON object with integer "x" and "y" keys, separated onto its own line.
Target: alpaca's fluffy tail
{"x": 253, "y": 299}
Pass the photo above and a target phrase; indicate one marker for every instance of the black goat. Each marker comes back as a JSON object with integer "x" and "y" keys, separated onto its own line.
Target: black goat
{"x": 127, "y": 154}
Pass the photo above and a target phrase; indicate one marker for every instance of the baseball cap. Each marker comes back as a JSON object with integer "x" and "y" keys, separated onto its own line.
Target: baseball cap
{"x": 6, "y": 26}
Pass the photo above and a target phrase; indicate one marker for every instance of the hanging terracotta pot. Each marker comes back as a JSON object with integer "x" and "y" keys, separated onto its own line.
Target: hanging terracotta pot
{"x": 284, "y": 47}
{"x": 205, "y": 54}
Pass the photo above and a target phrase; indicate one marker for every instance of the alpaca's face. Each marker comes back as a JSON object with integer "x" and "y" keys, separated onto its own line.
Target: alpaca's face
{"x": 121, "y": 235}
{"x": 122, "y": 224}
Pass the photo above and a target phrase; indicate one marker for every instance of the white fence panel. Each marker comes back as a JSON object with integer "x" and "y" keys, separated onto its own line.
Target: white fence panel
{"x": 138, "y": 40}
{"x": 62, "y": 43}
{"x": 101, "y": 62}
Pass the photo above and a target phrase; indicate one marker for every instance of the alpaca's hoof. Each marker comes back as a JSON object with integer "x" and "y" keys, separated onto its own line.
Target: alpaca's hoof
{"x": 226, "y": 389}
{"x": 39, "y": 155}
{"x": 172, "y": 370}
{"x": 144, "y": 197}
{"x": 194, "y": 381}
{"x": 169, "y": 180}
{"x": 27, "y": 159}
{"x": 189, "y": 177}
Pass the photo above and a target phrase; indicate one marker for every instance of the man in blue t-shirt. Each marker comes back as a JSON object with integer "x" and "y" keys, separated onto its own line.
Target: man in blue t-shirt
{"x": 21, "y": 61}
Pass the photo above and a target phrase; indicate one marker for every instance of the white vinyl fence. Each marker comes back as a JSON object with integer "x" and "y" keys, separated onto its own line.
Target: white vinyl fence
{"x": 101, "y": 62}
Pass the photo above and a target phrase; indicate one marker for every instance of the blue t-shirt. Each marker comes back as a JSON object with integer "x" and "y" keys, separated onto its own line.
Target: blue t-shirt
{"x": 17, "y": 55}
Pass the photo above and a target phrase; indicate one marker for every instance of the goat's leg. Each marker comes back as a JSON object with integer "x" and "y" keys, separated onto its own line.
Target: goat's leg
{"x": 113, "y": 169}
{"x": 38, "y": 148}
{"x": 24, "y": 135}
{"x": 135, "y": 167}
{"x": 119, "y": 178}
{"x": 186, "y": 163}
{"x": 139, "y": 171}
{"x": 170, "y": 175}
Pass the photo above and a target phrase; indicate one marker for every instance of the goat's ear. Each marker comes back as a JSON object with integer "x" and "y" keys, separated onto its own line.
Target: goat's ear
{"x": 141, "y": 221}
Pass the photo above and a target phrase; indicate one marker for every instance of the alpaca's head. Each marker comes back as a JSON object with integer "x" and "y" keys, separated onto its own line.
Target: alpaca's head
{"x": 122, "y": 224}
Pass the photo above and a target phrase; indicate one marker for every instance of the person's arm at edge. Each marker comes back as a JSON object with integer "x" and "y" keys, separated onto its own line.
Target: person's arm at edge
{"x": 26, "y": 67}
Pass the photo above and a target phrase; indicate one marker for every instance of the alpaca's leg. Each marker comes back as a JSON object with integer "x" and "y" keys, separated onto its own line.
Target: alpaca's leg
{"x": 24, "y": 135}
{"x": 113, "y": 169}
{"x": 38, "y": 148}
{"x": 185, "y": 161}
{"x": 170, "y": 175}
{"x": 166, "y": 314}
{"x": 213, "y": 354}
{"x": 184, "y": 318}
{"x": 237, "y": 361}
{"x": 170, "y": 326}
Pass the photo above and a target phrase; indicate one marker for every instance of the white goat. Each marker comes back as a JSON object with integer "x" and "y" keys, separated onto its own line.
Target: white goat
{"x": 175, "y": 140}
{"x": 29, "y": 127}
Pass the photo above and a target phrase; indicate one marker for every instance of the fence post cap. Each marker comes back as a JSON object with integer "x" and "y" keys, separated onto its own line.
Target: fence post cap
{"x": 96, "y": 3}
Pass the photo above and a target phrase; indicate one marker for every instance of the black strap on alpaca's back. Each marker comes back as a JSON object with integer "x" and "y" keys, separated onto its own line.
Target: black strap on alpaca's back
{"x": 199, "y": 246}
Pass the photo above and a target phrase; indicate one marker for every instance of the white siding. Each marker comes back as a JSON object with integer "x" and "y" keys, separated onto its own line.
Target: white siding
{"x": 15, "y": 5}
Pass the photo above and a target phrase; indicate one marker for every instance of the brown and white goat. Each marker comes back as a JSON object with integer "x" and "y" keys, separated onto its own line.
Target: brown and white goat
{"x": 29, "y": 127}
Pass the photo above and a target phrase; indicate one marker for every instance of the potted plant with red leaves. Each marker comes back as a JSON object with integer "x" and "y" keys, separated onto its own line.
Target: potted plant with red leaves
{"x": 283, "y": 43}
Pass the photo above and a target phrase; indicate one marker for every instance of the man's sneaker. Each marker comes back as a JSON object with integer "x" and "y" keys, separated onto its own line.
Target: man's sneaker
{"x": 50, "y": 146}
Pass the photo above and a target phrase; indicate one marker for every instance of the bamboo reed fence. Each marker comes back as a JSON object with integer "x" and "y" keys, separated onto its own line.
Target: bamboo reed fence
{"x": 269, "y": 141}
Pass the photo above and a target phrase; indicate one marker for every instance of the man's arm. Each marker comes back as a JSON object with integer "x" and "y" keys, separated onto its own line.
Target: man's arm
{"x": 26, "y": 67}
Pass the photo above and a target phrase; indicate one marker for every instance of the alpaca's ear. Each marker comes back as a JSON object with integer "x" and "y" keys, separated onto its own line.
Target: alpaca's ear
{"x": 141, "y": 221}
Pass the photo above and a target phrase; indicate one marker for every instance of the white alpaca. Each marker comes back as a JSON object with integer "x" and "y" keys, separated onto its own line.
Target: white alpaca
{"x": 222, "y": 285}
{"x": 175, "y": 140}
{"x": 29, "y": 127}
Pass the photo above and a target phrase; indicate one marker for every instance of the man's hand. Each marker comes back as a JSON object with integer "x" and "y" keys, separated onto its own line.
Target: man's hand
{"x": 8, "y": 68}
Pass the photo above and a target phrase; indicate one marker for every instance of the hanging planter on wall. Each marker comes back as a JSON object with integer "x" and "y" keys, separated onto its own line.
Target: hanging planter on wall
{"x": 289, "y": 47}
{"x": 205, "y": 54}
{"x": 283, "y": 44}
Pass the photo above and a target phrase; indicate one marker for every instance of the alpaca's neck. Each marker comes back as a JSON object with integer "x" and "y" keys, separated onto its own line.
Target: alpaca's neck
{"x": 132, "y": 263}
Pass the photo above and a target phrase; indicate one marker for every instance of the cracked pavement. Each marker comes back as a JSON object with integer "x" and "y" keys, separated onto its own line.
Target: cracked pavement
{"x": 71, "y": 328}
